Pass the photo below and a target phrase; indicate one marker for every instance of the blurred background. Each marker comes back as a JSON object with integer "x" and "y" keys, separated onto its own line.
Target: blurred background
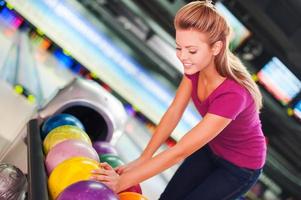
{"x": 128, "y": 47}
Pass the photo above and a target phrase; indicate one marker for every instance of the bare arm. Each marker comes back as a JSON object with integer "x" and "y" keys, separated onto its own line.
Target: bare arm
{"x": 170, "y": 119}
{"x": 206, "y": 130}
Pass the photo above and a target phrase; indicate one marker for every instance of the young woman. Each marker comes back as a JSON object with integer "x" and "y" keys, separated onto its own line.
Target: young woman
{"x": 225, "y": 152}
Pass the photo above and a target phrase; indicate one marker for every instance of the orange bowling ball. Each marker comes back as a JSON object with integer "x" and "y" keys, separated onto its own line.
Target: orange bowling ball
{"x": 131, "y": 196}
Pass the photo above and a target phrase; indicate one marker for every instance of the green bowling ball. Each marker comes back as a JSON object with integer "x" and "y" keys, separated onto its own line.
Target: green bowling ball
{"x": 112, "y": 160}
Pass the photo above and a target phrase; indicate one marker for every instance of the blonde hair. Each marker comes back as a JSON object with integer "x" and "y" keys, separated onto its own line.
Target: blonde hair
{"x": 203, "y": 17}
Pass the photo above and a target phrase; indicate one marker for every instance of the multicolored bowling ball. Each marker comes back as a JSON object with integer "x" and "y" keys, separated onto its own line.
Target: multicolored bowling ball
{"x": 103, "y": 147}
{"x": 112, "y": 160}
{"x": 62, "y": 133}
{"x": 59, "y": 120}
{"x": 13, "y": 183}
{"x": 131, "y": 196}
{"x": 70, "y": 171}
{"x": 92, "y": 190}
{"x": 68, "y": 149}
{"x": 135, "y": 188}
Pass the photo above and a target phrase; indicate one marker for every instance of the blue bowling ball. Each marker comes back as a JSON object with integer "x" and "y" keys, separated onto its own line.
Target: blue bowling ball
{"x": 59, "y": 120}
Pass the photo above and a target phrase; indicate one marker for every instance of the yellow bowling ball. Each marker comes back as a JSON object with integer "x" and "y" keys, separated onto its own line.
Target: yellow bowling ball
{"x": 68, "y": 172}
{"x": 62, "y": 133}
{"x": 131, "y": 196}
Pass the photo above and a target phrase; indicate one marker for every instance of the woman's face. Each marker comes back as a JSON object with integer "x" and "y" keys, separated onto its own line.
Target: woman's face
{"x": 193, "y": 50}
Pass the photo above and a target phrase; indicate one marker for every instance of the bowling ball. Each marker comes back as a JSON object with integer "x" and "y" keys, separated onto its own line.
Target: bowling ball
{"x": 112, "y": 160}
{"x": 70, "y": 171}
{"x": 59, "y": 120}
{"x": 68, "y": 149}
{"x": 135, "y": 188}
{"x": 13, "y": 183}
{"x": 131, "y": 196}
{"x": 92, "y": 190}
{"x": 103, "y": 147}
{"x": 62, "y": 133}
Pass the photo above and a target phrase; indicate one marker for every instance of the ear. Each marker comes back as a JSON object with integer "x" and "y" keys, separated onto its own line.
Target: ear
{"x": 216, "y": 48}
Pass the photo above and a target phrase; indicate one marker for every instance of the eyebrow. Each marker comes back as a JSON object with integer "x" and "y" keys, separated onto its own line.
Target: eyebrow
{"x": 186, "y": 46}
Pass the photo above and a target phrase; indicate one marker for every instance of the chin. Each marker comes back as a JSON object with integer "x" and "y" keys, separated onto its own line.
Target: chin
{"x": 191, "y": 72}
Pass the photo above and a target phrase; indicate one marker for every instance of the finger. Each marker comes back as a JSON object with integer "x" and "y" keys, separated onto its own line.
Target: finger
{"x": 119, "y": 171}
{"x": 106, "y": 169}
{"x": 119, "y": 167}
{"x": 106, "y": 166}
{"x": 97, "y": 171}
{"x": 102, "y": 171}
{"x": 110, "y": 173}
{"x": 98, "y": 177}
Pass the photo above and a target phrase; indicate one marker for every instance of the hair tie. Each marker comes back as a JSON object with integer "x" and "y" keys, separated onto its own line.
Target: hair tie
{"x": 207, "y": 3}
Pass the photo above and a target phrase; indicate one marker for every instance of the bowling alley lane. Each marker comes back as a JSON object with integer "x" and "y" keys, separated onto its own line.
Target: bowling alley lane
{"x": 107, "y": 55}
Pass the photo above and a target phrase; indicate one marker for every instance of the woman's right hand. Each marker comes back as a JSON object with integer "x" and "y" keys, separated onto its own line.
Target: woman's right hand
{"x": 131, "y": 165}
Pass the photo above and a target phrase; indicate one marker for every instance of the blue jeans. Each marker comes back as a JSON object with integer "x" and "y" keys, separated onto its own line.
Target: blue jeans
{"x": 205, "y": 176}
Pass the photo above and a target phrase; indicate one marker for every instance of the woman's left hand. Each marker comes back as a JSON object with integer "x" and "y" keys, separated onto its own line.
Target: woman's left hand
{"x": 107, "y": 175}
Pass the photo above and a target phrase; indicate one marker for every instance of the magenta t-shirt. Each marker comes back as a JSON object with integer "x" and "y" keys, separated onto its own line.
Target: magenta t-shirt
{"x": 242, "y": 141}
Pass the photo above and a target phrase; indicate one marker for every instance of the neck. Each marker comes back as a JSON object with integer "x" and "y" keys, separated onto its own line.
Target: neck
{"x": 210, "y": 76}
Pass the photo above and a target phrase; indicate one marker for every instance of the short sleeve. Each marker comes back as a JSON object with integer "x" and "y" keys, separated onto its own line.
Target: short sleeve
{"x": 228, "y": 104}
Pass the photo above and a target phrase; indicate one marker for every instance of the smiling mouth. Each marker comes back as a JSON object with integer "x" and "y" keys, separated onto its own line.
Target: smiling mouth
{"x": 187, "y": 65}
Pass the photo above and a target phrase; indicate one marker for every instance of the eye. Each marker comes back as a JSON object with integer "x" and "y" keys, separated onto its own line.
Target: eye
{"x": 178, "y": 49}
{"x": 192, "y": 51}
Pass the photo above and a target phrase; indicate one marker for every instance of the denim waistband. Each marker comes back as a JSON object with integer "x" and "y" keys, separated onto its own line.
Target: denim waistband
{"x": 237, "y": 170}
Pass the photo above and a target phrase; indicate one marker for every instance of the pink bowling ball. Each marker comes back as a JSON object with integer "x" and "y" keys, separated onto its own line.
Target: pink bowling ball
{"x": 68, "y": 149}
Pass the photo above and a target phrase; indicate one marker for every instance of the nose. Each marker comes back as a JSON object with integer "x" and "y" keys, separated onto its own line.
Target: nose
{"x": 182, "y": 55}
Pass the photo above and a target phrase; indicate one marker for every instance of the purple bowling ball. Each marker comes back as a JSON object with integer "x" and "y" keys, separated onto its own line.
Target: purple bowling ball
{"x": 103, "y": 147}
{"x": 83, "y": 190}
{"x": 68, "y": 149}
